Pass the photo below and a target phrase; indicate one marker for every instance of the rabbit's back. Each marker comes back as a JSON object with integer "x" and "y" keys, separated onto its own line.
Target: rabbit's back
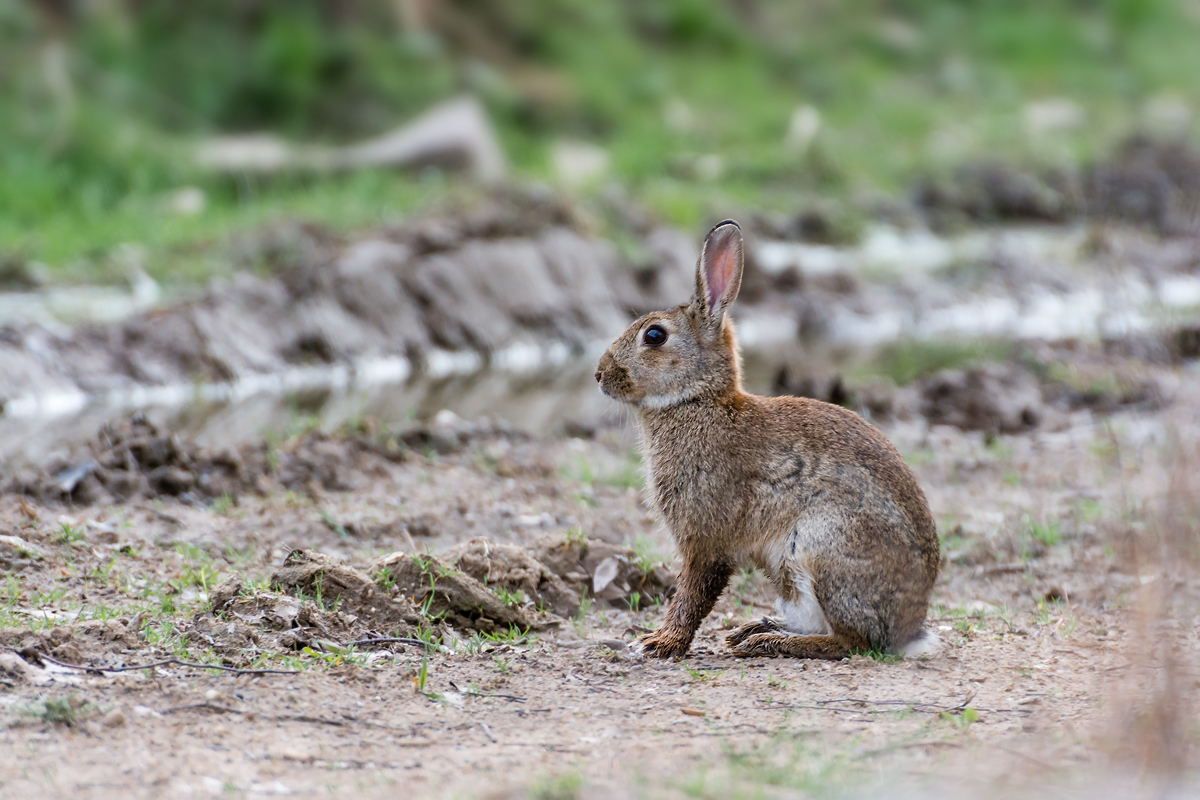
{"x": 747, "y": 470}
{"x": 855, "y": 454}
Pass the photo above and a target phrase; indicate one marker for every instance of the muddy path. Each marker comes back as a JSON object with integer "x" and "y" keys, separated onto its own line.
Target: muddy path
{"x": 1065, "y": 608}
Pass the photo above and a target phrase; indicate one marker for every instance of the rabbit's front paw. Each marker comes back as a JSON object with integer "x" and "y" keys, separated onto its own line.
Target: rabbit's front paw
{"x": 664, "y": 643}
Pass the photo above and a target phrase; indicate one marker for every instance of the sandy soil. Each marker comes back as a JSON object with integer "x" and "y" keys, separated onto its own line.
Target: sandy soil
{"x": 1064, "y": 607}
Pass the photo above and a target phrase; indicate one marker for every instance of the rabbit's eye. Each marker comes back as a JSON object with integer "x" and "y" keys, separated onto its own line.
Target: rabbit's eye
{"x": 655, "y": 336}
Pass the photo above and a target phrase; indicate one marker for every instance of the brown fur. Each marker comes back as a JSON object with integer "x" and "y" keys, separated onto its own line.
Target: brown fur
{"x": 700, "y": 585}
{"x": 808, "y": 491}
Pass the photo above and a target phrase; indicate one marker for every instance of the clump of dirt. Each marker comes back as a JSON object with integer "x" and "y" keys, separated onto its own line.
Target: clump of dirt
{"x": 1035, "y": 383}
{"x": 1120, "y": 374}
{"x": 17, "y": 273}
{"x": 312, "y": 575}
{"x": 315, "y": 601}
{"x": 993, "y": 192}
{"x": 478, "y": 585}
{"x": 18, "y": 555}
{"x": 605, "y": 571}
{"x": 271, "y": 623}
{"x": 443, "y": 592}
{"x": 1147, "y": 182}
{"x": 246, "y": 623}
{"x": 1186, "y": 342}
{"x": 1022, "y": 393}
{"x": 996, "y": 398}
{"x": 875, "y": 398}
{"x": 1171, "y": 347}
{"x": 134, "y": 458}
{"x": 448, "y": 433}
{"x": 515, "y": 569}
{"x": 820, "y": 222}
{"x": 85, "y": 642}
{"x": 506, "y": 213}
{"x": 236, "y": 642}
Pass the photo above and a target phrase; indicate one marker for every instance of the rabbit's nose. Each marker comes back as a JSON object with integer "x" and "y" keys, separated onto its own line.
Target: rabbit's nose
{"x": 597, "y": 376}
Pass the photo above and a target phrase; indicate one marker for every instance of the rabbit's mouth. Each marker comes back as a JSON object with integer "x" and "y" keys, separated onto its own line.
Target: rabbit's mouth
{"x": 615, "y": 381}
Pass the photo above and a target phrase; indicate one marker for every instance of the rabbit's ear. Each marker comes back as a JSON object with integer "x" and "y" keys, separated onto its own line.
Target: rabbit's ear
{"x": 719, "y": 272}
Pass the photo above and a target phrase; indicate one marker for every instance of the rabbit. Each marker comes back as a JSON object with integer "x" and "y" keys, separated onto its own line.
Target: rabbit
{"x": 809, "y": 492}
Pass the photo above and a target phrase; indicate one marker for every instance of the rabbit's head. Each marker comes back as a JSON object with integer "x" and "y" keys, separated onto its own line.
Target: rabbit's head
{"x": 670, "y": 357}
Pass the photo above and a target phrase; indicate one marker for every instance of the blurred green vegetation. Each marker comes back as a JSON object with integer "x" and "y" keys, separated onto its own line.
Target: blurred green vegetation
{"x": 903, "y": 362}
{"x": 692, "y": 99}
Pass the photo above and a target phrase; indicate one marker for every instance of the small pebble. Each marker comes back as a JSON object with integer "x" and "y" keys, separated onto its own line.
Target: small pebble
{"x": 114, "y": 719}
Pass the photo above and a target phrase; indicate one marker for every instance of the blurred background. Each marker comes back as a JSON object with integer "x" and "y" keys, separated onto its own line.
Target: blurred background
{"x": 692, "y": 105}
{"x": 945, "y": 175}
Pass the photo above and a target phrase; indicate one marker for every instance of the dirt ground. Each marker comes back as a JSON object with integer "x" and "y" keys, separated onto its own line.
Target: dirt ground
{"x": 1065, "y": 609}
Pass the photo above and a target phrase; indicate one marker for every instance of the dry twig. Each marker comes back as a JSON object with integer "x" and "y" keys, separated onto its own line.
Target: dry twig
{"x": 932, "y": 708}
{"x": 390, "y": 640}
{"x": 35, "y": 655}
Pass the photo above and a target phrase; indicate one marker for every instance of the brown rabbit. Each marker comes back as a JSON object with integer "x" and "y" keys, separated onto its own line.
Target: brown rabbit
{"x": 807, "y": 491}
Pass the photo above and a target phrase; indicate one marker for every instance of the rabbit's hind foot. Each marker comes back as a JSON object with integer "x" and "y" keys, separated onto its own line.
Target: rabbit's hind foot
{"x": 764, "y": 625}
{"x": 782, "y": 643}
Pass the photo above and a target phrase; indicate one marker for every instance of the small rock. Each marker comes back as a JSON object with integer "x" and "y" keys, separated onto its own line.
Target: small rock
{"x": 171, "y": 480}
{"x": 14, "y": 548}
{"x": 188, "y": 201}
{"x": 577, "y": 163}
{"x": 802, "y": 129}
{"x": 1054, "y": 114}
{"x": 604, "y": 574}
{"x": 104, "y": 537}
{"x": 14, "y": 666}
{"x": 709, "y": 167}
{"x": 296, "y": 753}
{"x": 224, "y": 593}
{"x": 114, "y": 719}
